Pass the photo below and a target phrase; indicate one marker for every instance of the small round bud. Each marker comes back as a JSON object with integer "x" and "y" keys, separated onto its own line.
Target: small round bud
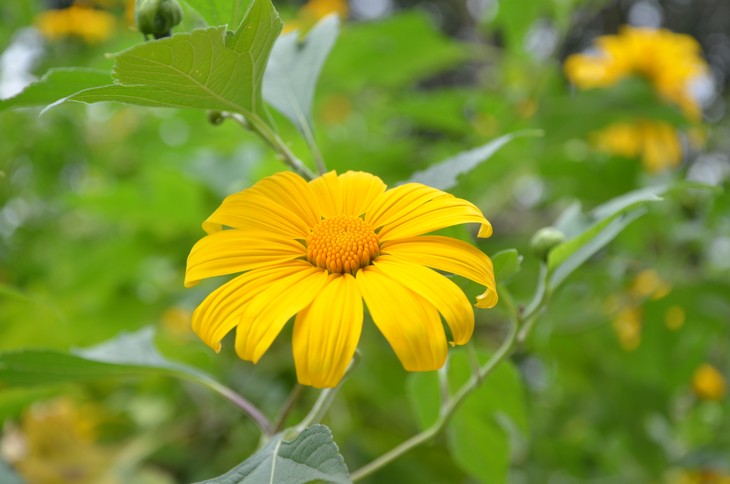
{"x": 157, "y": 17}
{"x": 545, "y": 240}
{"x": 215, "y": 118}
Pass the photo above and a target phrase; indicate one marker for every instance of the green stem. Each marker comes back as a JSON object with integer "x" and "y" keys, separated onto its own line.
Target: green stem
{"x": 520, "y": 327}
{"x": 249, "y": 408}
{"x": 255, "y": 124}
{"x": 278, "y": 424}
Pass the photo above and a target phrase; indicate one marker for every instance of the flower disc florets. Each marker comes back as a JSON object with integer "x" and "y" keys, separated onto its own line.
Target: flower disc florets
{"x": 342, "y": 244}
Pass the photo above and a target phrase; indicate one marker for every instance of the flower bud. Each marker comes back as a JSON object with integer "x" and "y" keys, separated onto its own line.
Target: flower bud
{"x": 545, "y": 240}
{"x": 157, "y": 17}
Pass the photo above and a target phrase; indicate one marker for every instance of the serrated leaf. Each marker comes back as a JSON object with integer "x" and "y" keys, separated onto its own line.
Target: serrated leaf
{"x": 220, "y": 12}
{"x": 443, "y": 175}
{"x": 506, "y": 263}
{"x": 205, "y": 69}
{"x": 56, "y": 84}
{"x": 293, "y": 69}
{"x": 312, "y": 456}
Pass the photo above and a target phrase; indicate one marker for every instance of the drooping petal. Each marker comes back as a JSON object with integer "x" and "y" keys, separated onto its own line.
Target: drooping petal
{"x": 450, "y": 255}
{"x": 448, "y": 298}
{"x": 359, "y": 189}
{"x": 326, "y": 333}
{"x": 410, "y": 323}
{"x": 282, "y": 202}
{"x": 266, "y": 313}
{"x": 415, "y": 209}
{"x": 232, "y": 251}
{"x": 327, "y": 192}
{"x": 220, "y": 312}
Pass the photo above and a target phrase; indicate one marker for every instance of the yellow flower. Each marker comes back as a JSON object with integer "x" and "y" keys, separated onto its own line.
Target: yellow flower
{"x": 669, "y": 61}
{"x": 675, "y": 317}
{"x": 708, "y": 383}
{"x": 649, "y": 284}
{"x": 90, "y": 24}
{"x": 315, "y": 10}
{"x": 627, "y": 325}
{"x": 318, "y": 249}
{"x": 655, "y": 142}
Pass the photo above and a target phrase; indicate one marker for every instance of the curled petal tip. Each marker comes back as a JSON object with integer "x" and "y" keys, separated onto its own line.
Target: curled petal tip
{"x": 487, "y": 300}
{"x": 485, "y": 230}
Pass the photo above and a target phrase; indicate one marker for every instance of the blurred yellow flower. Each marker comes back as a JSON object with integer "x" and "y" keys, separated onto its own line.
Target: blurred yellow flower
{"x": 315, "y": 10}
{"x": 669, "y": 61}
{"x": 627, "y": 325}
{"x": 91, "y": 25}
{"x": 675, "y": 318}
{"x": 649, "y": 284}
{"x": 708, "y": 383}
{"x": 318, "y": 249}
{"x": 56, "y": 444}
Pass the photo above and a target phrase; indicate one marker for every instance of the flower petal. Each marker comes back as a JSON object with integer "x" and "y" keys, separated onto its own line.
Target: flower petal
{"x": 266, "y": 313}
{"x": 359, "y": 189}
{"x": 448, "y": 298}
{"x": 231, "y": 251}
{"x": 409, "y": 322}
{"x": 450, "y": 255}
{"x": 327, "y": 191}
{"x": 326, "y": 333}
{"x": 282, "y": 202}
{"x": 415, "y": 209}
{"x": 220, "y": 312}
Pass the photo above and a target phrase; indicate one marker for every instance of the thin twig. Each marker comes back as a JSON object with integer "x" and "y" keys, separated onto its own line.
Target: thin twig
{"x": 280, "y": 420}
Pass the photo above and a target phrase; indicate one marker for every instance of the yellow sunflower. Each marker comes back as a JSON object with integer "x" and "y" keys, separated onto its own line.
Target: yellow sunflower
{"x": 317, "y": 249}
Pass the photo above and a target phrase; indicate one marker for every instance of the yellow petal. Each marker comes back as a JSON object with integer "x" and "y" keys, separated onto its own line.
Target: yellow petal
{"x": 409, "y": 322}
{"x": 359, "y": 189}
{"x": 266, "y": 313}
{"x": 441, "y": 292}
{"x": 450, "y": 255}
{"x": 326, "y": 333}
{"x": 231, "y": 251}
{"x": 282, "y": 202}
{"x": 220, "y": 312}
{"x": 415, "y": 209}
{"x": 327, "y": 192}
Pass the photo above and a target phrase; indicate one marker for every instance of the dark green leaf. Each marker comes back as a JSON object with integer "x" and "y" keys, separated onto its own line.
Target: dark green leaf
{"x": 206, "y": 69}
{"x": 312, "y": 456}
{"x": 56, "y": 84}
{"x": 443, "y": 175}
{"x": 293, "y": 69}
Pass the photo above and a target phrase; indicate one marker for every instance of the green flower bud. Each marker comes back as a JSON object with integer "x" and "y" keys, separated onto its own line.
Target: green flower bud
{"x": 545, "y": 240}
{"x": 157, "y": 17}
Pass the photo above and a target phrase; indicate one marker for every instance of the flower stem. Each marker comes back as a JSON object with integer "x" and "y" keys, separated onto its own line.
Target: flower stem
{"x": 278, "y": 424}
{"x": 520, "y": 325}
{"x": 255, "y": 124}
{"x": 249, "y": 408}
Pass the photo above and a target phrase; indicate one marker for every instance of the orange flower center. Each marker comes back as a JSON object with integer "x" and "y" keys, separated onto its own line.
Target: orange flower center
{"x": 341, "y": 244}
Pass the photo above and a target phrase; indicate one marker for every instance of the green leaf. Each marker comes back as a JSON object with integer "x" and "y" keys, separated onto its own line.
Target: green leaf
{"x": 56, "y": 84}
{"x": 220, "y": 12}
{"x": 127, "y": 355}
{"x": 313, "y": 455}
{"x": 591, "y": 232}
{"x": 423, "y": 392}
{"x": 206, "y": 69}
{"x": 506, "y": 263}
{"x": 443, "y": 175}
{"x": 480, "y": 447}
{"x": 7, "y": 475}
{"x": 293, "y": 69}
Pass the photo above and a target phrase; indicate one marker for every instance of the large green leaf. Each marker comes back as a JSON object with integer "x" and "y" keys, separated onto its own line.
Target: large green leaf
{"x": 293, "y": 69}
{"x": 206, "y": 69}
{"x": 312, "y": 456}
{"x": 443, "y": 175}
{"x": 506, "y": 263}
{"x": 56, "y": 84}
{"x": 220, "y": 12}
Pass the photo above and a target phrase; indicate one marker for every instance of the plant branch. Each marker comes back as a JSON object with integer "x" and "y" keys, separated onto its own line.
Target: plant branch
{"x": 255, "y": 124}
{"x": 278, "y": 424}
{"x": 248, "y": 408}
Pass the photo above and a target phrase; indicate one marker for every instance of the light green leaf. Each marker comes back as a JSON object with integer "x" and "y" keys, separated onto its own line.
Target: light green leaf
{"x": 293, "y": 69}
{"x": 443, "y": 175}
{"x": 220, "y": 12}
{"x": 423, "y": 392}
{"x": 480, "y": 447}
{"x": 506, "y": 263}
{"x": 56, "y": 84}
{"x": 590, "y": 233}
{"x": 206, "y": 69}
{"x": 312, "y": 456}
